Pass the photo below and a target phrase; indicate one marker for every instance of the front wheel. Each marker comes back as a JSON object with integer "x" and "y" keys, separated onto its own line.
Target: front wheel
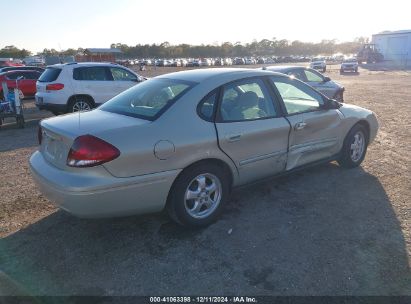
{"x": 354, "y": 148}
{"x": 198, "y": 195}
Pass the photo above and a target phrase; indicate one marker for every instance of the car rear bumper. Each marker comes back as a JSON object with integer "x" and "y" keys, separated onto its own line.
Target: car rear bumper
{"x": 58, "y": 108}
{"x": 101, "y": 195}
{"x": 54, "y": 102}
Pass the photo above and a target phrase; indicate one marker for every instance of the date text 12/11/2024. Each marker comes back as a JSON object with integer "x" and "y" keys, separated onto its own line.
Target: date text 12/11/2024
{"x": 236, "y": 299}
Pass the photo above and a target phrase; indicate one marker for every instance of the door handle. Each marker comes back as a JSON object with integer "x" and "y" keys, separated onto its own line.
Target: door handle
{"x": 300, "y": 125}
{"x": 234, "y": 137}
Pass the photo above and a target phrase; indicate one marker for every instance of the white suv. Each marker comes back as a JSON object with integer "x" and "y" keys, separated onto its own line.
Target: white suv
{"x": 72, "y": 87}
{"x": 318, "y": 63}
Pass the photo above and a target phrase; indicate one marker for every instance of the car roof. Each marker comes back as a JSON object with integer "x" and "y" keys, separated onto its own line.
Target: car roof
{"x": 18, "y": 71}
{"x": 199, "y": 75}
{"x": 77, "y": 64}
{"x": 284, "y": 67}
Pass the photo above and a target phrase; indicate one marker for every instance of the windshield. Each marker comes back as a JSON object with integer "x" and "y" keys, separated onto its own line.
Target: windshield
{"x": 149, "y": 99}
{"x": 350, "y": 60}
{"x": 50, "y": 75}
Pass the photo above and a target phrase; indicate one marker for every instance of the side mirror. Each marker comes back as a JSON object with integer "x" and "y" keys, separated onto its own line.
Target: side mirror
{"x": 330, "y": 104}
{"x": 327, "y": 79}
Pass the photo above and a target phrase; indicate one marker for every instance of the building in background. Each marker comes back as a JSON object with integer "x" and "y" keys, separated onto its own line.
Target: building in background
{"x": 394, "y": 46}
{"x": 99, "y": 55}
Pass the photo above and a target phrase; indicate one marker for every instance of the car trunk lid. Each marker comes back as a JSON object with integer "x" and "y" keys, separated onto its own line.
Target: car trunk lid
{"x": 59, "y": 133}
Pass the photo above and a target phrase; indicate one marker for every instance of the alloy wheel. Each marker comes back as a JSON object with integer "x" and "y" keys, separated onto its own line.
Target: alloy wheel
{"x": 203, "y": 195}
{"x": 357, "y": 146}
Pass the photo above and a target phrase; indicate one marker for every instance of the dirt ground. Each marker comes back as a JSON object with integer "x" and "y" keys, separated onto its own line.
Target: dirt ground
{"x": 322, "y": 231}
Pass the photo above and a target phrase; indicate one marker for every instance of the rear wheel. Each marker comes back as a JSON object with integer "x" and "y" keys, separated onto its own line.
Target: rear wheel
{"x": 198, "y": 195}
{"x": 354, "y": 148}
{"x": 80, "y": 103}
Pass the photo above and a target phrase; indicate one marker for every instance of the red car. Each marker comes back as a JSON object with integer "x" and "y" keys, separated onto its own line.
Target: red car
{"x": 27, "y": 84}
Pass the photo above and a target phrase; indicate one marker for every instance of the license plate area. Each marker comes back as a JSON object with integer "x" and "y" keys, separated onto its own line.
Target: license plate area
{"x": 53, "y": 149}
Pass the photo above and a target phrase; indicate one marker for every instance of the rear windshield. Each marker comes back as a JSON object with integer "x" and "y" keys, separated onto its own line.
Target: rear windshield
{"x": 50, "y": 74}
{"x": 149, "y": 99}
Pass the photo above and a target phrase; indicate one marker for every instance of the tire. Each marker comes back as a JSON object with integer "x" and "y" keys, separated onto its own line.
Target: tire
{"x": 205, "y": 205}
{"x": 356, "y": 71}
{"x": 341, "y": 72}
{"x": 55, "y": 113}
{"x": 80, "y": 103}
{"x": 352, "y": 156}
{"x": 324, "y": 69}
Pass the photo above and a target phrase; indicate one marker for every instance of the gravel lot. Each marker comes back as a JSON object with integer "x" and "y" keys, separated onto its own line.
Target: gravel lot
{"x": 322, "y": 231}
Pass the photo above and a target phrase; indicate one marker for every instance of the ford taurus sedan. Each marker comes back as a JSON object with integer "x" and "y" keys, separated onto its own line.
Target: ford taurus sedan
{"x": 315, "y": 79}
{"x": 182, "y": 141}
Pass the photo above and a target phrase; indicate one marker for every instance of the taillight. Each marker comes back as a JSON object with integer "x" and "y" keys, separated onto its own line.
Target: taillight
{"x": 39, "y": 134}
{"x": 54, "y": 86}
{"x": 89, "y": 151}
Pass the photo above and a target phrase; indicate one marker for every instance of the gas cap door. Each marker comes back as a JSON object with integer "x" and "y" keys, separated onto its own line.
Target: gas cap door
{"x": 164, "y": 149}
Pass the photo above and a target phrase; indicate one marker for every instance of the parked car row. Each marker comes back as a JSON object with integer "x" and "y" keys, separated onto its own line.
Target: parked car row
{"x": 219, "y": 61}
{"x": 71, "y": 87}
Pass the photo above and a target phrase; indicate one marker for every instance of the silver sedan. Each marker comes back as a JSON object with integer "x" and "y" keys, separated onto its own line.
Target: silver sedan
{"x": 182, "y": 141}
{"x": 318, "y": 81}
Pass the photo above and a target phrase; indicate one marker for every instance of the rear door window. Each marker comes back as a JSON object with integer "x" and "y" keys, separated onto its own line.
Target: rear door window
{"x": 250, "y": 101}
{"x": 313, "y": 76}
{"x": 50, "y": 75}
{"x": 297, "y": 74}
{"x": 92, "y": 74}
{"x": 13, "y": 76}
{"x": 31, "y": 75}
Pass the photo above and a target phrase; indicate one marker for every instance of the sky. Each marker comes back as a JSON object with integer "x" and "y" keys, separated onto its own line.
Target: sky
{"x": 39, "y": 24}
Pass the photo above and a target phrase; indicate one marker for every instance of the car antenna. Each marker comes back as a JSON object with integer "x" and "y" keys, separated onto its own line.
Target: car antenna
{"x": 78, "y": 118}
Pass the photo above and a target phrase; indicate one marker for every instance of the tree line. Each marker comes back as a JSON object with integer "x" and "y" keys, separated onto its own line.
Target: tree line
{"x": 264, "y": 47}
